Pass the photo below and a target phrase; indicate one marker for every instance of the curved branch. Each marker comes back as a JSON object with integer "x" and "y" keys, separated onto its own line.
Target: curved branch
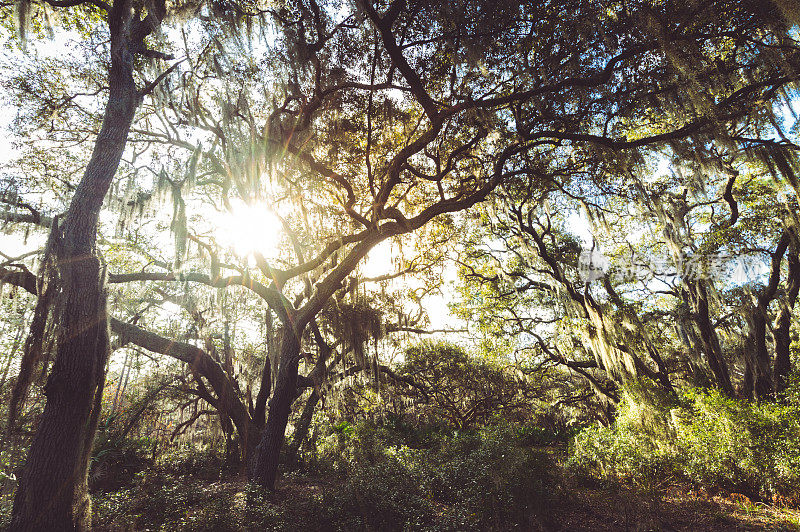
{"x": 200, "y": 363}
{"x": 274, "y": 298}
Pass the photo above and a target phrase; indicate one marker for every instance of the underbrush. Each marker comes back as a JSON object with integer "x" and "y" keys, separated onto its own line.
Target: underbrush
{"x": 367, "y": 476}
{"x": 430, "y": 478}
{"x": 705, "y": 438}
{"x": 164, "y": 501}
{"x": 185, "y": 489}
{"x": 115, "y": 462}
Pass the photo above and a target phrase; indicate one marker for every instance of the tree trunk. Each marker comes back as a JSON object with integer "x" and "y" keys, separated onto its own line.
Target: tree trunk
{"x": 53, "y": 491}
{"x": 761, "y": 385}
{"x": 301, "y": 431}
{"x": 782, "y": 365}
{"x": 260, "y": 411}
{"x": 708, "y": 337}
{"x": 264, "y": 465}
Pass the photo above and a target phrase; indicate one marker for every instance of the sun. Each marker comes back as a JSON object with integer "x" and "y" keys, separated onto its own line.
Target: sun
{"x": 248, "y": 228}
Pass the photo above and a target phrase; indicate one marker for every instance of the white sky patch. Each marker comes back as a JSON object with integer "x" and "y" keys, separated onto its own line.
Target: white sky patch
{"x": 385, "y": 258}
{"x": 664, "y": 165}
{"x": 170, "y": 309}
{"x": 15, "y": 244}
{"x": 578, "y": 225}
{"x": 789, "y": 113}
{"x": 438, "y": 313}
{"x": 379, "y": 260}
{"x": 437, "y": 305}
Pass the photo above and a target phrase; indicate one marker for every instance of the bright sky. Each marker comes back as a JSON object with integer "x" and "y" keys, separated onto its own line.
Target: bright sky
{"x": 379, "y": 261}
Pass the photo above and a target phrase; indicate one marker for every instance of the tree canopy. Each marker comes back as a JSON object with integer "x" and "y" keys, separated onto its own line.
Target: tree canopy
{"x": 249, "y": 203}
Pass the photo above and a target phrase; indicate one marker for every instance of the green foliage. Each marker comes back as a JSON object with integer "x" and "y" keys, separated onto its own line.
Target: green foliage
{"x": 638, "y": 448}
{"x": 490, "y": 476}
{"x": 399, "y": 476}
{"x": 536, "y": 435}
{"x": 377, "y": 476}
{"x": 164, "y": 501}
{"x": 343, "y": 427}
{"x": 118, "y": 452}
{"x": 495, "y": 107}
{"x": 463, "y": 389}
{"x": 208, "y": 463}
{"x": 742, "y": 446}
{"x": 713, "y": 440}
{"x": 115, "y": 461}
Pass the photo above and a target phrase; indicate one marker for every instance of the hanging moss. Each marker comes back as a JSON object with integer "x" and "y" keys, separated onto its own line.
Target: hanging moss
{"x": 41, "y": 340}
{"x": 355, "y": 325}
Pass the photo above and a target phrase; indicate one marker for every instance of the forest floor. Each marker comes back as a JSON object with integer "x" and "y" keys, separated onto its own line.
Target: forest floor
{"x": 676, "y": 508}
{"x": 619, "y": 508}
{"x": 204, "y": 504}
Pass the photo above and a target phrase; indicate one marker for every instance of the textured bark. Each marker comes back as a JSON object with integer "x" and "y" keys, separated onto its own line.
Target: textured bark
{"x": 708, "y": 337}
{"x": 53, "y": 492}
{"x": 260, "y": 410}
{"x": 264, "y": 464}
{"x": 303, "y": 425}
{"x": 782, "y": 365}
{"x": 759, "y": 365}
{"x": 317, "y": 377}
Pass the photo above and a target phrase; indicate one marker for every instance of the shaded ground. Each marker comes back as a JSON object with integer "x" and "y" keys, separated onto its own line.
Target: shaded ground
{"x": 676, "y": 509}
{"x": 203, "y": 504}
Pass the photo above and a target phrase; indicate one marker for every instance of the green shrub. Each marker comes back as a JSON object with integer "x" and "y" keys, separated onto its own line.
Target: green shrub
{"x": 490, "y": 476}
{"x": 537, "y": 435}
{"x": 401, "y": 477}
{"x": 163, "y": 501}
{"x": 741, "y": 446}
{"x": 638, "y": 449}
{"x": 715, "y": 441}
{"x": 207, "y": 463}
{"x": 115, "y": 461}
